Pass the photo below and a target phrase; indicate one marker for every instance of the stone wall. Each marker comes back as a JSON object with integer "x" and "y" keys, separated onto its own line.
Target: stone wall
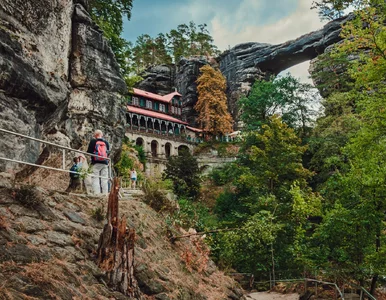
{"x": 59, "y": 80}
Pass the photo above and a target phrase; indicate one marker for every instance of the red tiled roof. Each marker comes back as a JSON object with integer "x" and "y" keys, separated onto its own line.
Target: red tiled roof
{"x": 149, "y": 95}
{"x": 194, "y": 129}
{"x": 170, "y": 96}
{"x": 153, "y": 114}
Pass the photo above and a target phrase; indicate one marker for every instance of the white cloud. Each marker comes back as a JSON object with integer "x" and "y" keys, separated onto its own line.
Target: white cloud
{"x": 302, "y": 21}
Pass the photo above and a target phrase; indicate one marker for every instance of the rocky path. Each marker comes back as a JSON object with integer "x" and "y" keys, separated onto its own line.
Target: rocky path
{"x": 272, "y": 296}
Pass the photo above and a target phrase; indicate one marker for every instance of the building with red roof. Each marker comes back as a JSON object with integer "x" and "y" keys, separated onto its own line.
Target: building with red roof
{"x": 152, "y": 113}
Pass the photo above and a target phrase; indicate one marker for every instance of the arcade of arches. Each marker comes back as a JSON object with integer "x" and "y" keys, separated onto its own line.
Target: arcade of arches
{"x": 158, "y": 149}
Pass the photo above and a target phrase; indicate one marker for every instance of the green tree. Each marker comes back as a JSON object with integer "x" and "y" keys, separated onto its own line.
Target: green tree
{"x": 269, "y": 201}
{"x": 212, "y": 102}
{"x": 332, "y": 9}
{"x": 184, "y": 172}
{"x": 285, "y": 95}
{"x": 353, "y": 229}
{"x": 108, "y": 14}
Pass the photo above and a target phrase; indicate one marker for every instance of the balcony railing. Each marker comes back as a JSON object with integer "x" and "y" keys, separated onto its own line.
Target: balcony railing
{"x": 163, "y": 134}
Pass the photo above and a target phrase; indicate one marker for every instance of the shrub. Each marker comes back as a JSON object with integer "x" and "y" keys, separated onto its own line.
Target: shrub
{"x": 156, "y": 195}
{"x": 194, "y": 215}
{"x": 183, "y": 171}
{"x": 98, "y": 214}
{"x": 141, "y": 155}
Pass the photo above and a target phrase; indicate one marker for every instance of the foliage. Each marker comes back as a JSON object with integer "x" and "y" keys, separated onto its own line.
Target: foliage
{"x": 125, "y": 163}
{"x": 223, "y": 175}
{"x": 212, "y": 102}
{"x": 332, "y": 9}
{"x": 108, "y": 14}
{"x": 141, "y": 155}
{"x": 98, "y": 214}
{"x": 268, "y": 200}
{"x": 155, "y": 195}
{"x": 183, "y": 171}
{"x": 193, "y": 215}
{"x": 184, "y": 41}
{"x": 331, "y": 134}
{"x": 350, "y": 240}
{"x": 285, "y": 96}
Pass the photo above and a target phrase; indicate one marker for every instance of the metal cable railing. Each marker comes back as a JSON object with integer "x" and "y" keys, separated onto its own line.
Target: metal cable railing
{"x": 364, "y": 293}
{"x": 64, "y": 149}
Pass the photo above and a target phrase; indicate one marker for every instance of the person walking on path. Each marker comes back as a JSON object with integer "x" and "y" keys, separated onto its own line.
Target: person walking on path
{"x": 100, "y": 147}
{"x": 133, "y": 177}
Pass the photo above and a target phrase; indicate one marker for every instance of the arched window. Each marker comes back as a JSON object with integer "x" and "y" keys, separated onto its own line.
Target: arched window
{"x": 154, "y": 148}
{"x": 168, "y": 148}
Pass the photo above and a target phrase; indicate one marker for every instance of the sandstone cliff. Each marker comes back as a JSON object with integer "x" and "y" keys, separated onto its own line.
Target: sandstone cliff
{"x": 59, "y": 79}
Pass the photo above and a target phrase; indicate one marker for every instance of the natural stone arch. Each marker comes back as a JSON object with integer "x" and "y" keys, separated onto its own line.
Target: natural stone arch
{"x": 168, "y": 150}
{"x": 182, "y": 148}
{"x": 154, "y": 148}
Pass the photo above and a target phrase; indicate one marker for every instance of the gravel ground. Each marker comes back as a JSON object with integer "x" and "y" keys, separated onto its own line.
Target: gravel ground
{"x": 272, "y": 296}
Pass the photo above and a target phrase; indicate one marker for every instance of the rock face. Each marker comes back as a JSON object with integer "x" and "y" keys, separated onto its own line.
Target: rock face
{"x": 158, "y": 79}
{"x": 245, "y": 63}
{"x": 48, "y": 242}
{"x": 242, "y": 65}
{"x": 185, "y": 82}
{"x": 59, "y": 80}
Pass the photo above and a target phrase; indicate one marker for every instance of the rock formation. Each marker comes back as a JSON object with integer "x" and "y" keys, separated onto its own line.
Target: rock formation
{"x": 242, "y": 65}
{"x": 245, "y": 63}
{"x": 59, "y": 79}
{"x": 48, "y": 242}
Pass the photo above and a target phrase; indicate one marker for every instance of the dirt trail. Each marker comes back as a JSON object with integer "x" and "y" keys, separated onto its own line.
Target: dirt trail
{"x": 272, "y": 296}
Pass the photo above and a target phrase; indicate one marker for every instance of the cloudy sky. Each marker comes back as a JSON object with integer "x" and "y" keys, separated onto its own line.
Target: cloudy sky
{"x": 230, "y": 22}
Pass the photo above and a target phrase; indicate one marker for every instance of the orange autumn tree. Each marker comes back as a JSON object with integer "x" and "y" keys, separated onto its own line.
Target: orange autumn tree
{"x": 212, "y": 102}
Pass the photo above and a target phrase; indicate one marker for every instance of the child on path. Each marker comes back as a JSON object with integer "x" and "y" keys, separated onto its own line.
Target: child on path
{"x": 133, "y": 177}
{"x": 74, "y": 177}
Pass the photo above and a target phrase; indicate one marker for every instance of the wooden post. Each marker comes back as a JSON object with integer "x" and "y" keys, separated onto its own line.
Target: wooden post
{"x": 116, "y": 249}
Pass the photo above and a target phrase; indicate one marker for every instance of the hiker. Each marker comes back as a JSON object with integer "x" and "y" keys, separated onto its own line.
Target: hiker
{"x": 75, "y": 182}
{"x": 133, "y": 177}
{"x": 100, "y": 147}
{"x": 84, "y": 170}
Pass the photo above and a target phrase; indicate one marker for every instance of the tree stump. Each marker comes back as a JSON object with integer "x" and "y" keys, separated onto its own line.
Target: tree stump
{"x": 115, "y": 253}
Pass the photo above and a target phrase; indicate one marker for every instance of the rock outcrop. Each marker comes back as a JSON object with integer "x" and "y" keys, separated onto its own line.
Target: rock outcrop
{"x": 59, "y": 79}
{"x": 158, "y": 79}
{"x": 48, "y": 242}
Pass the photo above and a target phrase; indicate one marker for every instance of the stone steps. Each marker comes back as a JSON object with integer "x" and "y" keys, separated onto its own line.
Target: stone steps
{"x": 129, "y": 194}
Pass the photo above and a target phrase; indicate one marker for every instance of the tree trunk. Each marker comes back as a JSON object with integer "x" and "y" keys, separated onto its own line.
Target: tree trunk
{"x": 116, "y": 249}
